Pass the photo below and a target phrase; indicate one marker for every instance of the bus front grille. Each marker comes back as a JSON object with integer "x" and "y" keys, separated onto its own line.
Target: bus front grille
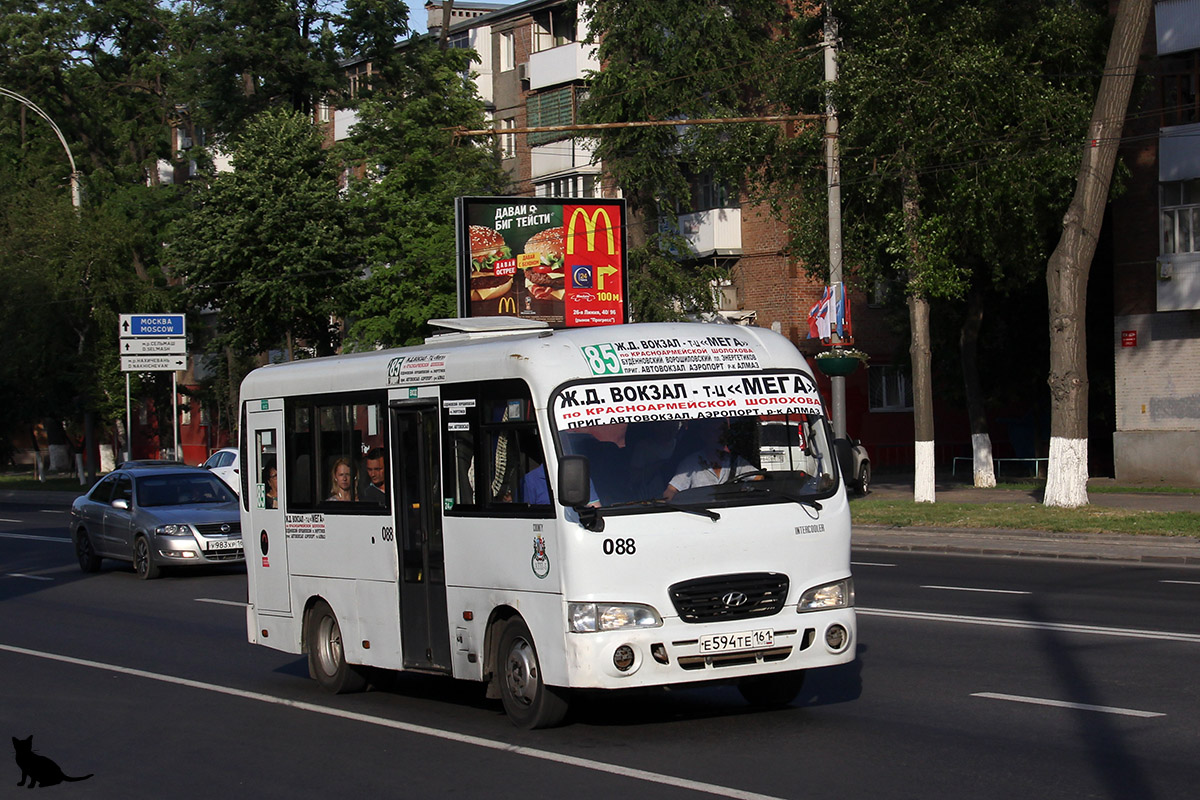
{"x": 717, "y": 598}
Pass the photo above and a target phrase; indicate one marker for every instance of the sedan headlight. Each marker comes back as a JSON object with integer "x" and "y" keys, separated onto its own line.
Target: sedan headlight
{"x": 173, "y": 530}
{"x": 591, "y": 617}
{"x": 832, "y": 595}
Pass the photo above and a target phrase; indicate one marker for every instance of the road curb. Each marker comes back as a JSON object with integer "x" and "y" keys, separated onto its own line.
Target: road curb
{"x": 1150, "y": 550}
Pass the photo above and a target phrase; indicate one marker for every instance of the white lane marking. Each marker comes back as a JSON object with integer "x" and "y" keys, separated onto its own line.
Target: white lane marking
{"x": 53, "y": 511}
{"x": 407, "y": 727}
{"x": 869, "y": 564}
{"x": 36, "y": 538}
{"x": 6, "y": 519}
{"x": 1026, "y": 624}
{"x": 1186, "y": 583}
{"x": 220, "y": 602}
{"x": 30, "y": 577}
{"x": 1041, "y": 701}
{"x": 969, "y": 589}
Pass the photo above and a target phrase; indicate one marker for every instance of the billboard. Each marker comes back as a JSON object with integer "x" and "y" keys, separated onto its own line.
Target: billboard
{"x": 559, "y": 260}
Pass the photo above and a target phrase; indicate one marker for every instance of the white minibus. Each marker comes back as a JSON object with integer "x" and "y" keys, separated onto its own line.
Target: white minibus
{"x": 548, "y": 510}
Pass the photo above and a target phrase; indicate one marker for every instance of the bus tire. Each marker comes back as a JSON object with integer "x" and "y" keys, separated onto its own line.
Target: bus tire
{"x": 772, "y": 691}
{"x": 326, "y": 657}
{"x": 528, "y": 701}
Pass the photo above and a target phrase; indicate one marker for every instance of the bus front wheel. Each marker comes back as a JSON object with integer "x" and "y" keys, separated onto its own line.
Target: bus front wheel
{"x": 326, "y": 657}
{"x": 528, "y": 701}
{"x": 772, "y": 691}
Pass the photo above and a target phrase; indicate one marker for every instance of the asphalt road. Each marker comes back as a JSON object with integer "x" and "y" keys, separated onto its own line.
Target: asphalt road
{"x": 976, "y": 677}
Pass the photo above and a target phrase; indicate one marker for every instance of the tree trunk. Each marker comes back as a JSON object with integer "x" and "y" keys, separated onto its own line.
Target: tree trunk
{"x": 983, "y": 468}
{"x": 919, "y": 350}
{"x": 1069, "y": 264}
{"x": 447, "y": 12}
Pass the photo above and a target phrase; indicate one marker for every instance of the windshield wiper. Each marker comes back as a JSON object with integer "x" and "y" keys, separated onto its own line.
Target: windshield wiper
{"x": 662, "y": 501}
{"x": 757, "y": 487}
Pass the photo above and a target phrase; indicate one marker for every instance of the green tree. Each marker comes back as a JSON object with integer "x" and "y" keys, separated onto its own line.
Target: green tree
{"x": 948, "y": 110}
{"x": 403, "y": 204}
{"x": 265, "y": 244}
{"x": 685, "y": 59}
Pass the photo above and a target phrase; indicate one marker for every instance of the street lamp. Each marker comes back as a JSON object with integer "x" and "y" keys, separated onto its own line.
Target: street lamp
{"x": 75, "y": 195}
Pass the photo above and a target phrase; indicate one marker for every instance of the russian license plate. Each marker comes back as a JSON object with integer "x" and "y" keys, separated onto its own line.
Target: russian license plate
{"x": 732, "y": 642}
{"x": 223, "y": 544}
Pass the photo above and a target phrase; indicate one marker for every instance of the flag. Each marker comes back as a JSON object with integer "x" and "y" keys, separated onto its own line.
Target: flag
{"x": 830, "y": 313}
{"x": 818, "y": 316}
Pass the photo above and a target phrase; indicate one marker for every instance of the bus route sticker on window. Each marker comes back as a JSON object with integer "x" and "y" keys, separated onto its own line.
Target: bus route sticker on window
{"x": 651, "y": 399}
{"x": 656, "y": 356}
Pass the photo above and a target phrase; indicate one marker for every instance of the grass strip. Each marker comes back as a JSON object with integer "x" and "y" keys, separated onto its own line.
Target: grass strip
{"x": 1024, "y": 516}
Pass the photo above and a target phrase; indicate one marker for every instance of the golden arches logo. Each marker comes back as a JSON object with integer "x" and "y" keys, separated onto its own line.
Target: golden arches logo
{"x": 590, "y": 224}
{"x": 507, "y": 305}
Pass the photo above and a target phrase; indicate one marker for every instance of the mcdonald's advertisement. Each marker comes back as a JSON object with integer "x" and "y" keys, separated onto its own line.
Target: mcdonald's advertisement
{"x": 558, "y": 260}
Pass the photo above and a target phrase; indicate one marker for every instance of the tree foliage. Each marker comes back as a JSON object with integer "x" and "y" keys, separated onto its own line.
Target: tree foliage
{"x": 265, "y": 244}
{"x": 403, "y": 204}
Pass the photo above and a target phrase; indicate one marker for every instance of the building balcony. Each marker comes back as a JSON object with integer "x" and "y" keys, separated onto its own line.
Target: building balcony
{"x": 561, "y": 156}
{"x": 716, "y": 232}
{"x": 562, "y": 64}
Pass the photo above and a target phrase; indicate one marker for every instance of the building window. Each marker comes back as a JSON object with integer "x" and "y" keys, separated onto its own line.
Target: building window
{"x": 555, "y": 107}
{"x": 459, "y": 41}
{"x": 508, "y": 141}
{"x": 508, "y": 51}
{"x": 1178, "y": 84}
{"x": 554, "y": 27}
{"x": 1179, "y": 202}
{"x": 889, "y": 388}
{"x": 358, "y": 79}
{"x": 568, "y": 186}
{"x": 324, "y": 111}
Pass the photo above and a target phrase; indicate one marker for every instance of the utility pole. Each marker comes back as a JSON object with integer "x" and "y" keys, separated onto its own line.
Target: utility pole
{"x": 833, "y": 176}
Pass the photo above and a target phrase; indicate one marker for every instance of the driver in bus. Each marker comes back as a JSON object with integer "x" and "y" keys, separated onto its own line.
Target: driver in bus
{"x": 712, "y": 463}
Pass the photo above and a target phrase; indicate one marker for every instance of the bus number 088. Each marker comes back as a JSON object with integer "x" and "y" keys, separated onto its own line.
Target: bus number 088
{"x": 619, "y": 547}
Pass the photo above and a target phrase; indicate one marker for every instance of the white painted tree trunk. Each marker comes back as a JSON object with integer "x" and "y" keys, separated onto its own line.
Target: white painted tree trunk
{"x": 924, "y": 488}
{"x": 1066, "y": 487}
{"x": 985, "y": 468}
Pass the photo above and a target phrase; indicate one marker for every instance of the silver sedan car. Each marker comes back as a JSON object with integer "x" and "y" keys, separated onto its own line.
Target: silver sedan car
{"x": 156, "y": 515}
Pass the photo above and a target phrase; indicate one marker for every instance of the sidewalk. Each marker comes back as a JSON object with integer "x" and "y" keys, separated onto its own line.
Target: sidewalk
{"x": 1158, "y": 550}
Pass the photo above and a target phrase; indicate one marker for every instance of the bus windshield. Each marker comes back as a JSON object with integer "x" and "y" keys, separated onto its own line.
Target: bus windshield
{"x": 704, "y": 441}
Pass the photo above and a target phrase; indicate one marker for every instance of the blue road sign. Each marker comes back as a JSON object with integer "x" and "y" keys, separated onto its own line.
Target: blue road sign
{"x": 152, "y": 325}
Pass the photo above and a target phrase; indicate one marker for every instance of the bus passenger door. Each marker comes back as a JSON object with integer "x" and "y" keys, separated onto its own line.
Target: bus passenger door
{"x": 424, "y": 629}
{"x": 265, "y": 542}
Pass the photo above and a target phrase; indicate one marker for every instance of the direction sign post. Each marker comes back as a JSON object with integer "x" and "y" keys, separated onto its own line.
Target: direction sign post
{"x": 152, "y": 343}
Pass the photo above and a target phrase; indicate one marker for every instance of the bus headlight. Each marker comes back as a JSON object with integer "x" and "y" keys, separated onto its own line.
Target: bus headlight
{"x": 839, "y": 594}
{"x": 591, "y": 617}
{"x": 173, "y": 530}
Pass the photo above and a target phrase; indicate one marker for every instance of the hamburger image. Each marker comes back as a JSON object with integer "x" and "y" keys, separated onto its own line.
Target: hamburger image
{"x": 488, "y": 247}
{"x": 546, "y": 279}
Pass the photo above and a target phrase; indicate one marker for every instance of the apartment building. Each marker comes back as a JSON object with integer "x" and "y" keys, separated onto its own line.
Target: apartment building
{"x": 1156, "y": 254}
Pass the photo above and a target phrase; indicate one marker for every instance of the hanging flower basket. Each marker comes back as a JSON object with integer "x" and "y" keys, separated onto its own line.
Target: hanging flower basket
{"x": 840, "y": 361}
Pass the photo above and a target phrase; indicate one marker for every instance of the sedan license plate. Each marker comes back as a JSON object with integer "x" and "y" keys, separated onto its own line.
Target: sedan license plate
{"x": 732, "y": 642}
{"x": 223, "y": 544}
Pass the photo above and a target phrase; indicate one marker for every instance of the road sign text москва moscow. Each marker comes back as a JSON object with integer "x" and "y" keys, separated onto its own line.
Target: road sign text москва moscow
{"x": 152, "y": 325}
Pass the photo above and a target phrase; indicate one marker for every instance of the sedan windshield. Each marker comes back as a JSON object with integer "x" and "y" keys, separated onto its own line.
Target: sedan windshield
{"x": 182, "y": 490}
{"x": 711, "y": 441}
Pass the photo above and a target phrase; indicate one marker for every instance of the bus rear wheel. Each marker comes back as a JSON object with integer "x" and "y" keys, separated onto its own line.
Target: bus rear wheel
{"x": 528, "y": 701}
{"x": 772, "y": 691}
{"x": 326, "y": 656}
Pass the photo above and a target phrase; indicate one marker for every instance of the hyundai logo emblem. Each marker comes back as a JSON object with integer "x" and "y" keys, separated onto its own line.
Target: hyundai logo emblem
{"x": 734, "y": 599}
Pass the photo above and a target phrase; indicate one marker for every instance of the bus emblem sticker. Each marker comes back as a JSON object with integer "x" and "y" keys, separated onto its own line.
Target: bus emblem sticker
{"x": 540, "y": 561}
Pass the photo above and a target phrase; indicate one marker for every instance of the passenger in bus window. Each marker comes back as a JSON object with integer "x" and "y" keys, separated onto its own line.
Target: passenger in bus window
{"x": 341, "y": 478}
{"x": 376, "y": 488}
{"x": 711, "y": 464}
{"x": 535, "y": 488}
{"x": 271, "y": 481}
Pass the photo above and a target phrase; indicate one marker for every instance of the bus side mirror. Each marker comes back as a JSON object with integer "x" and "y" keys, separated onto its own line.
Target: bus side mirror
{"x": 574, "y": 481}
